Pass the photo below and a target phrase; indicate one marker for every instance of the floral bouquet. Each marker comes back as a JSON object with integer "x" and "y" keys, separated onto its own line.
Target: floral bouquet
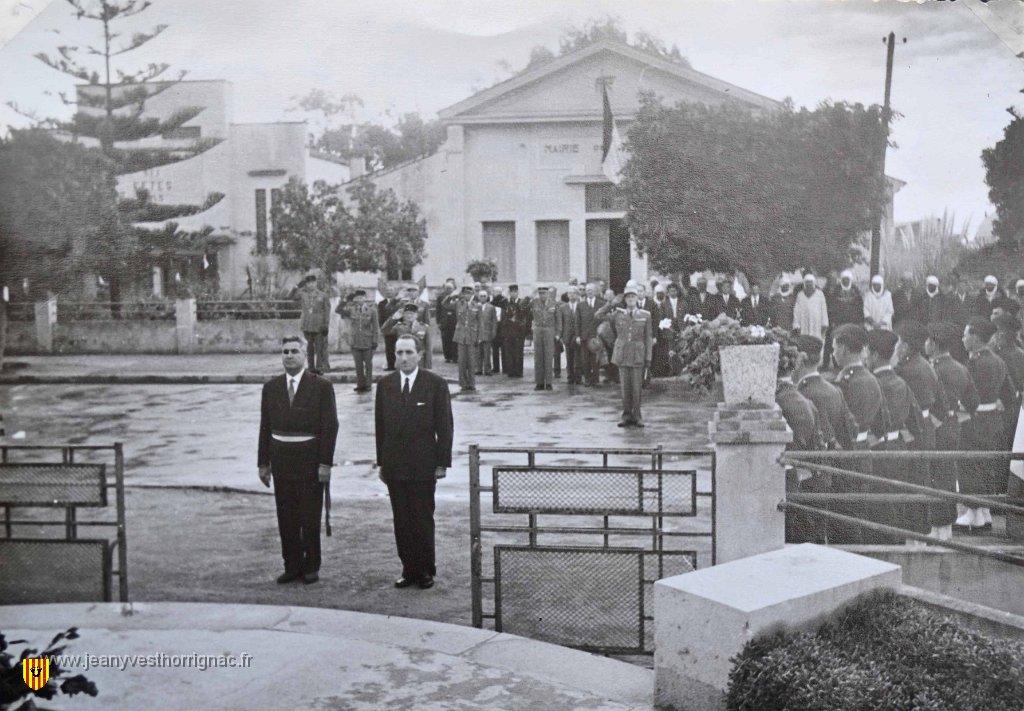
{"x": 698, "y": 346}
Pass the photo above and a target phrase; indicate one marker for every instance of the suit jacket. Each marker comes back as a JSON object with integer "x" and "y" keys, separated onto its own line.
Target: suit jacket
{"x": 588, "y": 321}
{"x": 567, "y": 322}
{"x": 710, "y": 308}
{"x": 413, "y": 438}
{"x": 312, "y": 412}
{"x": 488, "y": 323}
{"x": 733, "y": 309}
{"x": 751, "y": 316}
{"x": 515, "y": 318}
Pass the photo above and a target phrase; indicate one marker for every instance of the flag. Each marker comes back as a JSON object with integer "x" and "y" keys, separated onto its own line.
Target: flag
{"x": 422, "y": 284}
{"x": 1017, "y": 465}
{"x": 381, "y": 288}
{"x": 611, "y": 144}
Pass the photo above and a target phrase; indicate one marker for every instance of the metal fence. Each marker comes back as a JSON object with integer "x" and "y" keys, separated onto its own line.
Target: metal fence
{"x": 46, "y": 559}
{"x": 21, "y": 311}
{"x": 612, "y": 521}
{"x": 115, "y": 311}
{"x": 817, "y": 504}
{"x": 217, "y": 310}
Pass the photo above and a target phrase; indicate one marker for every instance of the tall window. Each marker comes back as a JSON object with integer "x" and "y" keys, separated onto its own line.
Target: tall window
{"x": 261, "y": 221}
{"x": 552, "y": 250}
{"x": 604, "y": 197}
{"x": 500, "y": 245}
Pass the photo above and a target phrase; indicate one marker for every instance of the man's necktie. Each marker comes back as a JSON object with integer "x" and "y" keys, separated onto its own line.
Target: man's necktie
{"x": 405, "y": 390}
{"x": 291, "y": 390}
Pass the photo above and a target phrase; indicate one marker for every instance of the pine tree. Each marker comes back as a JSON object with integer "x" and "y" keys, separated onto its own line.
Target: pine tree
{"x": 111, "y": 113}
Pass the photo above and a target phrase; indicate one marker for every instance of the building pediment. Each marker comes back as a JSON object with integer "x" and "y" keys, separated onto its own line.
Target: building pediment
{"x": 568, "y": 88}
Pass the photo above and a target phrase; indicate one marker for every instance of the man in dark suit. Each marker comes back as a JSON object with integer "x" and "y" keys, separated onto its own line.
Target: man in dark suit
{"x": 567, "y": 332}
{"x": 298, "y": 429}
{"x": 730, "y": 303}
{"x": 514, "y": 326}
{"x": 590, "y": 362}
{"x": 708, "y": 306}
{"x": 414, "y": 426}
{"x": 754, "y": 309}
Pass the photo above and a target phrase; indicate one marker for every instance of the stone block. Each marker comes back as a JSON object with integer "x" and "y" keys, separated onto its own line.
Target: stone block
{"x": 704, "y": 618}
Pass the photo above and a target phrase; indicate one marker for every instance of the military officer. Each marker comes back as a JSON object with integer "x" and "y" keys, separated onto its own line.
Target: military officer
{"x": 961, "y": 400}
{"x": 985, "y": 431}
{"x": 634, "y": 338}
{"x": 803, "y": 418}
{"x": 407, "y": 323}
{"x": 364, "y": 332}
{"x": 542, "y": 311}
{"x": 864, "y": 399}
{"x": 924, "y": 383}
{"x": 838, "y": 428}
{"x": 467, "y": 336}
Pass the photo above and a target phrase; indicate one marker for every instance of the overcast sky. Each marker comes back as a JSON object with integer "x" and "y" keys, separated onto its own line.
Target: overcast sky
{"x": 954, "y": 78}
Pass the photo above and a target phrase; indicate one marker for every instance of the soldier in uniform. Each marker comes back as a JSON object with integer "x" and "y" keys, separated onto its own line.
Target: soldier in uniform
{"x": 634, "y": 337}
{"x": 514, "y": 325}
{"x": 864, "y": 399}
{"x": 960, "y": 399}
{"x": 903, "y": 427}
{"x": 542, "y": 311}
{"x": 406, "y": 323}
{"x": 412, "y": 296}
{"x": 985, "y": 430}
{"x": 924, "y": 383}
{"x": 364, "y": 331}
{"x": 1004, "y": 345}
{"x": 838, "y": 428}
{"x": 315, "y": 318}
{"x": 803, "y": 418}
{"x": 446, "y": 320}
{"x": 467, "y": 336}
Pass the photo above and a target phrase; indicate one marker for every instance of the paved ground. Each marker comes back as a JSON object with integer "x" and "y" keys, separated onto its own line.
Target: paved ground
{"x": 323, "y": 659}
{"x": 204, "y": 435}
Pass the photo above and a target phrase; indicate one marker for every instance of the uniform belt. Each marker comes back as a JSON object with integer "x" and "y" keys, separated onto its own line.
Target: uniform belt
{"x": 862, "y": 436}
{"x": 892, "y": 436}
{"x": 926, "y": 414}
{"x": 292, "y": 436}
{"x": 989, "y": 406}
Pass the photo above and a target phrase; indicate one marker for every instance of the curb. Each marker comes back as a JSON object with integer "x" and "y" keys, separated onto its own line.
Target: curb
{"x": 151, "y": 379}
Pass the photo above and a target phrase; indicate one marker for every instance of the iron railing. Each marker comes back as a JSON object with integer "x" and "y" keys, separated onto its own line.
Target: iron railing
{"x": 68, "y": 311}
{"x": 242, "y": 310}
{"x": 805, "y": 502}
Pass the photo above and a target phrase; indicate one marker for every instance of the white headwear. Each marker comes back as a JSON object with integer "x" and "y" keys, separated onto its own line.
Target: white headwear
{"x": 846, "y": 273}
{"x": 877, "y": 279}
{"x": 932, "y": 279}
{"x": 991, "y": 280}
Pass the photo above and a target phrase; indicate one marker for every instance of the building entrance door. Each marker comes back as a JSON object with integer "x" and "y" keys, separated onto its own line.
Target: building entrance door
{"x": 608, "y": 253}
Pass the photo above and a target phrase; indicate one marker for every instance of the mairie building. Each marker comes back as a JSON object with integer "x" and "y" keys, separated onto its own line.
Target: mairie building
{"x": 519, "y": 179}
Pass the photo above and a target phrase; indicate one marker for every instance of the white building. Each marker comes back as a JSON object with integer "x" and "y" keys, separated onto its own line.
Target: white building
{"x": 519, "y": 177}
{"x": 248, "y": 164}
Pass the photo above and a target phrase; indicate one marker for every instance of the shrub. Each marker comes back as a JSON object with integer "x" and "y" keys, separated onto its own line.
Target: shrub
{"x": 883, "y": 652}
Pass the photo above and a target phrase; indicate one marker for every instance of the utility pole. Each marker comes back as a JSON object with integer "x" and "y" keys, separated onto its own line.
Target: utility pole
{"x": 876, "y": 231}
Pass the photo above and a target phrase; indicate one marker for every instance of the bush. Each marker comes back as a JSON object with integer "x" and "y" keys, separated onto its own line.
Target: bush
{"x": 883, "y": 652}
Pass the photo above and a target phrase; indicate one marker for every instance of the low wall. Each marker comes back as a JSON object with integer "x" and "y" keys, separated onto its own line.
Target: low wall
{"x": 114, "y": 337}
{"x": 982, "y": 581}
{"x": 132, "y": 336}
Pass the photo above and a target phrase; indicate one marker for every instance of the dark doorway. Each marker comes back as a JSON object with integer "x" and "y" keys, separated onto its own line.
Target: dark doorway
{"x": 618, "y": 256}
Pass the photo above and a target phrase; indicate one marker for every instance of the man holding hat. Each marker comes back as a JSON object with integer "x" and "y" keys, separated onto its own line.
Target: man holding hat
{"x": 810, "y": 313}
{"x": 631, "y": 353}
{"x": 878, "y": 306}
{"x": 364, "y": 330}
{"x": 960, "y": 399}
{"x": 542, "y": 313}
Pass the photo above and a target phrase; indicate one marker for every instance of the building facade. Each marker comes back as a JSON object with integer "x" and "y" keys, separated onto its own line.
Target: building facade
{"x": 519, "y": 178}
{"x": 246, "y": 166}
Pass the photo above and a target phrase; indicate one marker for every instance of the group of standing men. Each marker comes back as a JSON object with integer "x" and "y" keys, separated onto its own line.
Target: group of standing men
{"x": 904, "y": 390}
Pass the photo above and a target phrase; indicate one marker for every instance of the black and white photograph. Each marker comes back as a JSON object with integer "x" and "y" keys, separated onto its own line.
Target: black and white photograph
{"x": 527, "y": 355}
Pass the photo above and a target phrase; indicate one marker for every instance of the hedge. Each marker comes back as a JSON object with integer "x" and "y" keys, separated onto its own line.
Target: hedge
{"x": 883, "y": 652}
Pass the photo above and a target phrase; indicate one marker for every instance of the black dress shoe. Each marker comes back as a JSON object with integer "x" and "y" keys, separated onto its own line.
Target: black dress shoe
{"x": 549, "y": 387}
{"x": 539, "y": 387}
{"x": 287, "y": 577}
{"x": 404, "y": 582}
{"x": 310, "y": 578}
{"x": 427, "y": 581}
{"x": 638, "y": 423}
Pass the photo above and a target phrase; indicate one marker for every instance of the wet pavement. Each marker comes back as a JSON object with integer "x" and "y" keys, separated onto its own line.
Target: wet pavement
{"x": 205, "y": 435}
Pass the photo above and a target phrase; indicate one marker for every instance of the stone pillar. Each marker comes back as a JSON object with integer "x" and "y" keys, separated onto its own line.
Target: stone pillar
{"x": 704, "y": 618}
{"x": 749, "y": 481}
{"x": 46, "y": 319}
{"x": 185, "y": 327}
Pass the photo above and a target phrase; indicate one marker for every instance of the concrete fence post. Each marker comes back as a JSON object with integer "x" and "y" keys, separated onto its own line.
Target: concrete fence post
{"x": 185, "y": 327}
{"x": 749, "y": 481}
{"x": 46, "y": 319}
